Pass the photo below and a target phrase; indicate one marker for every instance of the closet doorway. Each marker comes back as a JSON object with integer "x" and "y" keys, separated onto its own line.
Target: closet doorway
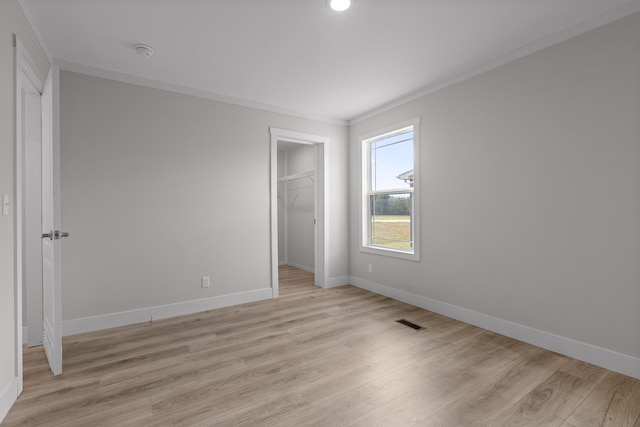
{"x": 298, "y": 204}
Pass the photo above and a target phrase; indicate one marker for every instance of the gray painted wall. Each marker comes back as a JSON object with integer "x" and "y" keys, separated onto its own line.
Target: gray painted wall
{"x": 300, "y": 209}
{"x": 530, "y": 192}
{"x": 159, "y": 189}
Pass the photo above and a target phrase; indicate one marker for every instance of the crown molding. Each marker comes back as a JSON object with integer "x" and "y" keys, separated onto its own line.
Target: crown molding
{"x": 31, "y": 23}
{"x": 186, "y": 90}
{"x": 482, "y": 67}
{"x": 633, "y": 6}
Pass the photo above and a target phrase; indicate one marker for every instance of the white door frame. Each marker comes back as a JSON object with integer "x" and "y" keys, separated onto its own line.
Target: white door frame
{"x": 321, "y": 229}
{"x": 26, "y": 74}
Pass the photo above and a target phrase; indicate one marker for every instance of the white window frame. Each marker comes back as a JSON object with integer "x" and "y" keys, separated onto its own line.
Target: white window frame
{"x": 365, "y": 205}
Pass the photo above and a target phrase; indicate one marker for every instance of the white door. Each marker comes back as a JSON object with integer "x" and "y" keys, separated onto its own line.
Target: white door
{"x": 32, "y": 215}
{"x": 51, "y": 277}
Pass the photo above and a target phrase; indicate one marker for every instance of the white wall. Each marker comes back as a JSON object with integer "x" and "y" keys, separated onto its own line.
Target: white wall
{"x": 159, "y": 189}
{"x": 11, "y": 22}
{"x": 300, "y": 209}
{"x": 530, "y": 191}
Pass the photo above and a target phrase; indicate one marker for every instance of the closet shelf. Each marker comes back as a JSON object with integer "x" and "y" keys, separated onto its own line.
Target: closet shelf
{"x": 301, "y": 175}
{"x": 293, "y": 185}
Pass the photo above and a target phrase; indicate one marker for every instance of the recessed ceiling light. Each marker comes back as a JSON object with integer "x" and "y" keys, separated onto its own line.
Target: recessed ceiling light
{"x": 340, "y": 5}
{"x": 144, "y": 50}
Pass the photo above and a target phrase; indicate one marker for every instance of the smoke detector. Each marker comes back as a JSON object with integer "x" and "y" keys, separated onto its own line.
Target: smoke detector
{"x": 144, "y": 50}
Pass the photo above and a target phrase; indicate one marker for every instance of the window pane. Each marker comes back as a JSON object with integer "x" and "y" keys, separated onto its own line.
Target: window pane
{"x": 391, "y": 221}
{"x": 392, "y": 162}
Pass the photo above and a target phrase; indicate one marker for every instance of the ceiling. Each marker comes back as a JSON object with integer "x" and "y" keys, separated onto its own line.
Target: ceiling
{"x": 298, "y": 56}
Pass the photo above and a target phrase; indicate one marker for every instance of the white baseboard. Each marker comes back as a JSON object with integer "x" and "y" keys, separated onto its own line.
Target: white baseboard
{"x": 334, "y": 282}
{"x": 301, "y": 267}
{"x": 112, "y": 320}
{"x": 8, "y": 398}
{"x": 608, "y": 359}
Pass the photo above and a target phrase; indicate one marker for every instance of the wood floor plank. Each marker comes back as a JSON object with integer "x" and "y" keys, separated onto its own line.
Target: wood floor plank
{"x": 316, "y": 357}
{"x": 448, "y": 378}
{"x": 550, "y": 403}
{"x": 485, "y": 405}
{"x": 592, "y": 412}
{"x": 624, "y": 406}
{"x": 427, "y": 422}
{"x": 128, "y": 414}
{"x": 390, "y": 364}
{"x": 59, "y": 400}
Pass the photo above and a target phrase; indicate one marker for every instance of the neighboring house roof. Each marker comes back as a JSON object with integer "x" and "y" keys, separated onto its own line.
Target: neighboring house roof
{"x": 407, "y": 176}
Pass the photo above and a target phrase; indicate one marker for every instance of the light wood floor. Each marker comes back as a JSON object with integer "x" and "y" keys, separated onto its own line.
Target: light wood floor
{"x": 317, "y": 357}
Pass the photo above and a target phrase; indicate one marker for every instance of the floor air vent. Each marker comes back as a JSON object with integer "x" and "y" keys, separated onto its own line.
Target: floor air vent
{"x": 410, "y": 324}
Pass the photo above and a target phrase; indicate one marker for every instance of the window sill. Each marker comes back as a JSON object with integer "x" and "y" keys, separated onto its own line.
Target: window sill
{"x": 391, "y": 253}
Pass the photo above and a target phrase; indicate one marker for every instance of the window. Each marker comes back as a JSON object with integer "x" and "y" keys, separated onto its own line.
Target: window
{"x": 390, "y": 196}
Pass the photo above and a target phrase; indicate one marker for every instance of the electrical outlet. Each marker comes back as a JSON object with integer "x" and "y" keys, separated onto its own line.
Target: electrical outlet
{"x": 204, "y": 282}
{"x": 370, "y": 268}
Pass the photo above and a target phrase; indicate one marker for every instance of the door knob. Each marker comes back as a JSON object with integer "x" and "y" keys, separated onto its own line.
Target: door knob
{"x": 55, "y": 235}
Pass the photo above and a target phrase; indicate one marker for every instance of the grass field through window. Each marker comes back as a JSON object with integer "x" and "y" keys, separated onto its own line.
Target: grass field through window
{"x": 391, "y": 231}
